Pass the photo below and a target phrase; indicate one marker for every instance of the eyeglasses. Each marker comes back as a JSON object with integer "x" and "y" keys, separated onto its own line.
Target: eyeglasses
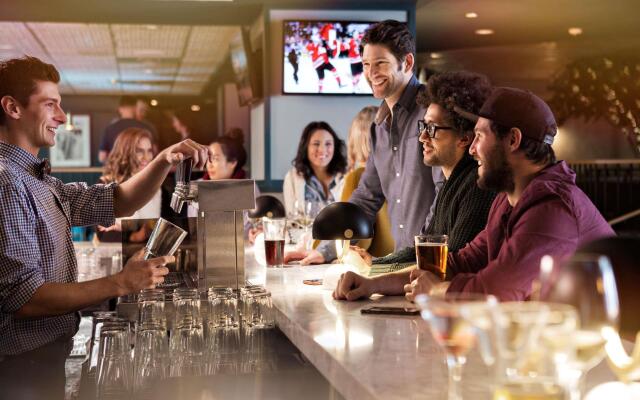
{"x": 430, "y": 128}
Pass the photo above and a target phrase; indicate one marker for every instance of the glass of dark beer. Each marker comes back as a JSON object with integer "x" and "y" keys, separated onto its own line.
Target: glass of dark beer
{"x": 431, "y": 254}
{"x": 274, "y": 236}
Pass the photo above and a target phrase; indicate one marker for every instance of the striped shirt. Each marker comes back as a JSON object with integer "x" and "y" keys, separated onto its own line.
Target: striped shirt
{"x": 36, "y": 215}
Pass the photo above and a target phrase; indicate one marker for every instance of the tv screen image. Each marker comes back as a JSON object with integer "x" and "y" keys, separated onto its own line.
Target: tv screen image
{"x": 323, "y": 57}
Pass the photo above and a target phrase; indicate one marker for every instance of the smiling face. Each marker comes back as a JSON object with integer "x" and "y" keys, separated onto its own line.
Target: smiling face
{"x": 219, "y": 167}
{"x": 320, "y": 149}
{"x": 383, "y": 72}
{"x": 441, "y": 150}
{"x": 38, "y": 121}
{"x": 144, "y": 153}
{"x": 494, "y": 171}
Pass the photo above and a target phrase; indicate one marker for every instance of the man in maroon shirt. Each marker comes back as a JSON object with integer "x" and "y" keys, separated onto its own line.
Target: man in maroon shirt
{"x": 538, "y": 211}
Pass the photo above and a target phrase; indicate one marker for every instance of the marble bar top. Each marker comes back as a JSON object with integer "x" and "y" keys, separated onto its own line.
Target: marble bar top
{"x": 369, "y": 356}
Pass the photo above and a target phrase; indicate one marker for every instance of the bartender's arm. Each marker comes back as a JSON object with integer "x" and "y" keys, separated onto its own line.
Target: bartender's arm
{"x": 134, "y": 193}
{"x": 51, "y": 298}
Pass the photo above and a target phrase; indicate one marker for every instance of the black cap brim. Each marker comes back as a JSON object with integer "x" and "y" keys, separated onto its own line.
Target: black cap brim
{"x": 466, "y": 114}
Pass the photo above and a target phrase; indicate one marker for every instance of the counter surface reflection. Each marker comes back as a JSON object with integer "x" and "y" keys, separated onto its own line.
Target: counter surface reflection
{"x": 369, "y": 356}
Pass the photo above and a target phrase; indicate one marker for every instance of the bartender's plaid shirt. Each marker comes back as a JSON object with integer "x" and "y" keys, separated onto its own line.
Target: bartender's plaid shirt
{"x": 36, "y": 214}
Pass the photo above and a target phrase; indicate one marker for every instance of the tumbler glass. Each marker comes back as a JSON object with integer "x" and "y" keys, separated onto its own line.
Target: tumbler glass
{"x": 113, "y": 375}
{"x": 274, "y": 238}
{"x": 150, "y": 360}
{"x": 151, "y": 307}
{"x": 187, "y": 337}
{"x": 164, "y": 240}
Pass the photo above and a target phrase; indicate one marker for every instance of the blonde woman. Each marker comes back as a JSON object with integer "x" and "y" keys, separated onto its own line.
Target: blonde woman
{"x": 359, "y": 142}
{"x": 359, "y": 147}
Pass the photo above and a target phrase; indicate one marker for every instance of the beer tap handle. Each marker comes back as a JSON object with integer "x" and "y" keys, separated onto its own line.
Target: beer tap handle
{"x": 183, "y": 171}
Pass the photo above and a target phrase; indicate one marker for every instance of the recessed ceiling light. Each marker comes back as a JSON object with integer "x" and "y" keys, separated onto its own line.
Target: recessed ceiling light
{"x": 471, "y": 15}
{"x": 148, "y": 71}
{"x": 151, "y": 27}
{"x": 575, "y": 31}
{"x": 435, "y": 56}
{"x": 153, "y": 102}
{"x": 114, "y": 81}
{"x": 195, "y": 107}
{"x": 484, "y": 32}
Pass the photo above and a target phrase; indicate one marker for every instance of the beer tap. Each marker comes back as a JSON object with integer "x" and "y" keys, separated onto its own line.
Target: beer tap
{"x": 184, "y": 191}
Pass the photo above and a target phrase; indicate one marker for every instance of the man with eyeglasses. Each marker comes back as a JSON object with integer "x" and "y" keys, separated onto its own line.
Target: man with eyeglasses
{"x": 393, "y": 172}
{"x": 461, "y": 207}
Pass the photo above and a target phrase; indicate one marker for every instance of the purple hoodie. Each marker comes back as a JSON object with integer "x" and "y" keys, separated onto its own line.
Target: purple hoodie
{"x": 553, "y": 216}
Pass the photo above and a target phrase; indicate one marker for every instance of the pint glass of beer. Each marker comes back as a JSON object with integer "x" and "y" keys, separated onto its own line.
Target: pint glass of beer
{"x": 431, "y": 254}
{"x": 274, "y": 237}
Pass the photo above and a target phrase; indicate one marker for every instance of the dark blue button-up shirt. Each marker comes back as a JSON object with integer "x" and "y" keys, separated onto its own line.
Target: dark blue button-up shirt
{"x": 36, "y": 214}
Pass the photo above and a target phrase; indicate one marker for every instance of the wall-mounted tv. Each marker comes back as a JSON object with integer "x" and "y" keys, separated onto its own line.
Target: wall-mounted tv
{"x": 247, "y": 67}
{"x": 323, "y": 57}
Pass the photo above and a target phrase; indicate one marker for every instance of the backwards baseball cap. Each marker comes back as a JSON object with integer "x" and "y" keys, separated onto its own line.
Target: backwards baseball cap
{"x": 515, "y": 108}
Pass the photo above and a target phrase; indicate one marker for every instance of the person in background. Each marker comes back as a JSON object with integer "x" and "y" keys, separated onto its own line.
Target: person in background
{"x": 359, "y": 140}
{"x": 183, "y": 122}
{"x": 394, "y": 172}
{"x": 132, "y": 152}
{"x": 127, "y": 113}
{"x": 318, "y": 169}
{"x": 228, "y": 158}
{"x": 358, "y": 150}
{"x": 539, "y": 209}
{"x": 40, "y": 297}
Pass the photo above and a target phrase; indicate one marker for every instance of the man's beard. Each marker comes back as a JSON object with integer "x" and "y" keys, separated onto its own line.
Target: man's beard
{"x": 498, "y": 174}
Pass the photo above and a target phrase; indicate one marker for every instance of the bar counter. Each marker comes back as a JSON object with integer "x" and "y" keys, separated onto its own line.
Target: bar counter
{"x": 369, "y": 356}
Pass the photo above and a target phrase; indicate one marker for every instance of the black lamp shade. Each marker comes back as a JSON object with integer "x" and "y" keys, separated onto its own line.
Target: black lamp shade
{"x": 342, "y": 221}
{"x": 267, "y": 206}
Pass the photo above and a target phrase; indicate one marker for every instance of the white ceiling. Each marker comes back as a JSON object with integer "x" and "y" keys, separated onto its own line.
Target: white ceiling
{"x": 122, "y": 58}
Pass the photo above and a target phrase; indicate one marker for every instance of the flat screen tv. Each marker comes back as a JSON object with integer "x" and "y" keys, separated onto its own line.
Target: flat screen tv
{"x": 323, "y": 57}
{"x": 247, "y": 68}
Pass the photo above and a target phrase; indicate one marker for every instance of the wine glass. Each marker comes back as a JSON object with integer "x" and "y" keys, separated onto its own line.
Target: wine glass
{"x": 587, "y": 283}
{"x": 451, "y": 330}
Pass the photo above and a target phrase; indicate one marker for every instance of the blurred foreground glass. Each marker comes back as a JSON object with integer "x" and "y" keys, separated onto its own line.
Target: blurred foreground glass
{"x": 431, "y": 253}
{"x": 274, "y": 237}
{"x": 587, "y": 283}
{"x": 151, "y": 360}
{"x": 187, "y": 337}
{"x": 113, "y": 375}
{"x": 164, "y": 240}
{"x": 451, "y": 330}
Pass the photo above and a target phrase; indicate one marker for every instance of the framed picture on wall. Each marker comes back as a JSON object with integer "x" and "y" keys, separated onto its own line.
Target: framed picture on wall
{"x": 73, "y": 146}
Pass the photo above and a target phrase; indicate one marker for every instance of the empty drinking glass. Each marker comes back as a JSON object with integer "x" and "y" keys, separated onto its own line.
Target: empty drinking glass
{"x": 164, "y": 240}
{"x": 113, "y": 375}
{"x": 150, "y": 359}
{"x": 151, "y": 307}
{"x": 223, "y": 307}
{"x": 187, "y": 337}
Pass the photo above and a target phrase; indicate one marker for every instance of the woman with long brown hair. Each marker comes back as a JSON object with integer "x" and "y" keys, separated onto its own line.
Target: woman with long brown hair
{"x": 132, "y": 151}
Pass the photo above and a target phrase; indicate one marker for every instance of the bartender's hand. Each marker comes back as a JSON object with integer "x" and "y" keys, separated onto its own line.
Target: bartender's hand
{"x": 306, "y": 257}
{"x": 187, "y": 149}
{"x": 140, "y": 274}
{"x": 363, "y": 253}
{"x": 352, "y": 286}
{"x": 422, "y": 282}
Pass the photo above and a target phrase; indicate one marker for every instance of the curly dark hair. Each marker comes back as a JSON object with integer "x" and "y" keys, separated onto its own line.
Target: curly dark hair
{"x": 466, "y": 90}
{"x": 534, "y": 150}
{"x": 393, "y": 35}
{"x": 302, "y": 164}
{"x": 18, "y": 78}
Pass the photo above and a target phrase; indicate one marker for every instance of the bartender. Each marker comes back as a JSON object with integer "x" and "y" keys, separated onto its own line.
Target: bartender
{"x": 39, "y": 292}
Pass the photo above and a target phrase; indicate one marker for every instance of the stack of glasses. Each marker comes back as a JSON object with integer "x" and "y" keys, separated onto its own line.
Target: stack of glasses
{"x": 227, "y": 334}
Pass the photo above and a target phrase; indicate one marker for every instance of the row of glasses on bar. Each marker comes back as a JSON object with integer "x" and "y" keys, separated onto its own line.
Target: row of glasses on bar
{"x": 229, "y": 338}
{"x": 538, "y": 349}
